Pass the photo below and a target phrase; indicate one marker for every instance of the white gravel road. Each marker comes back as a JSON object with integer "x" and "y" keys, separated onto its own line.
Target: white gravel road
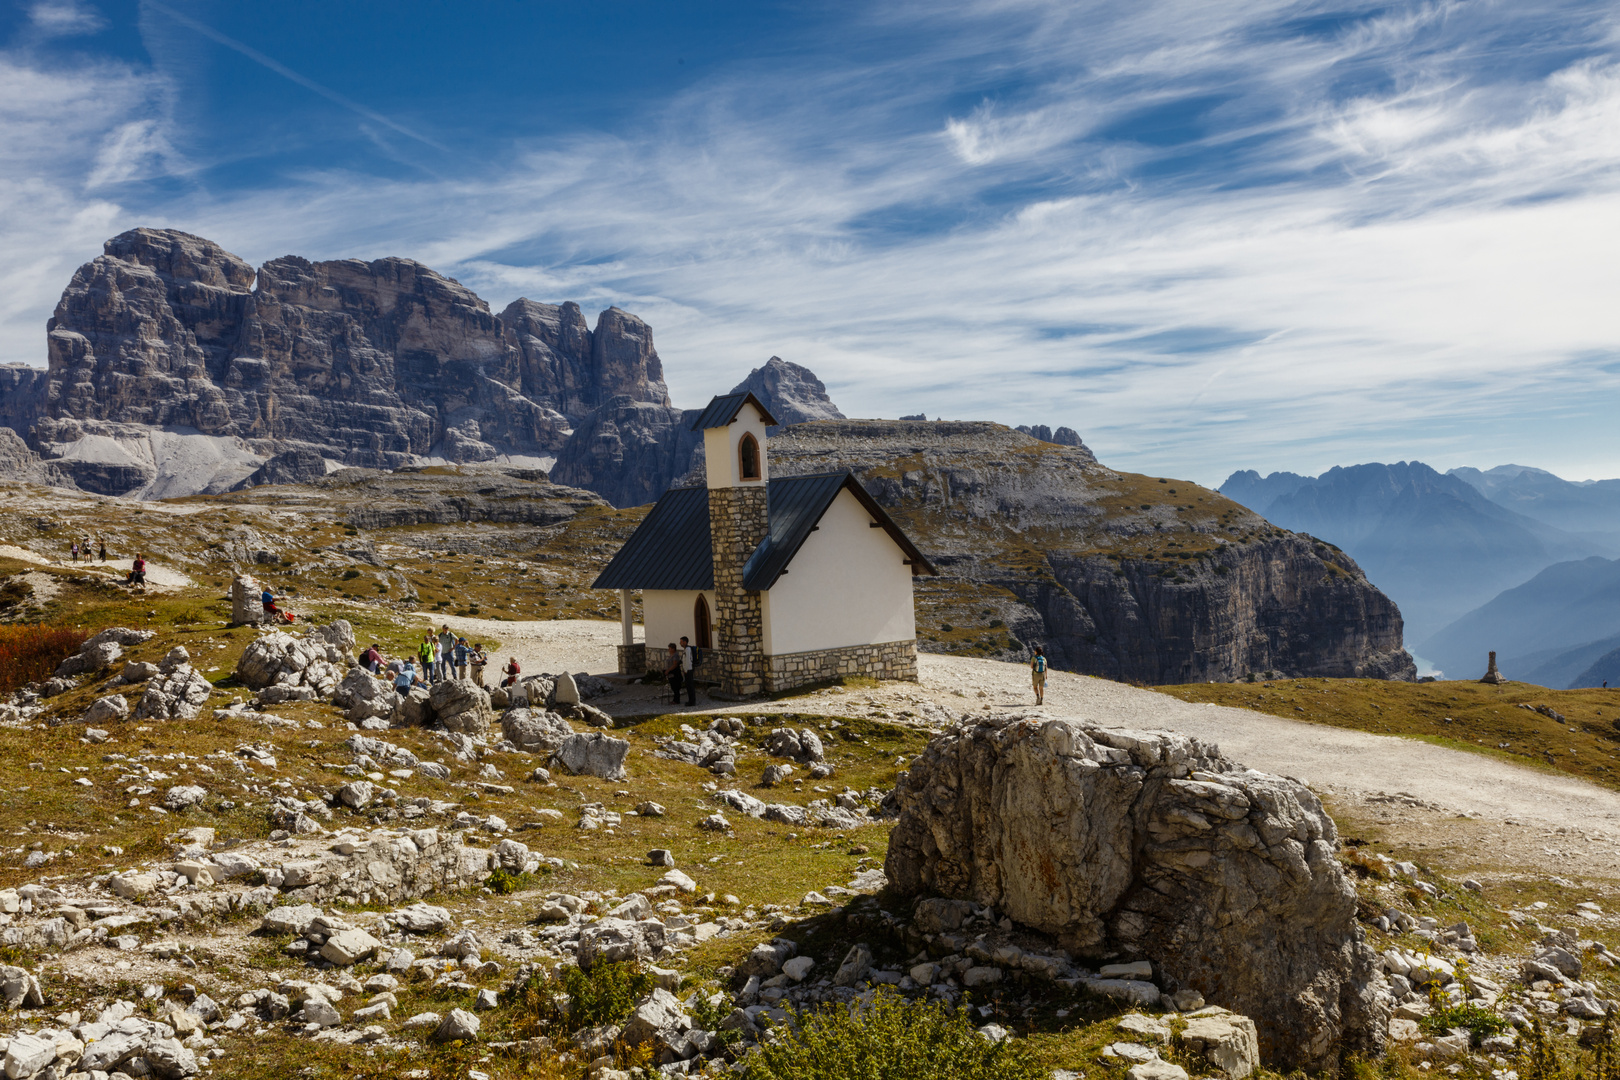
{"x": 1349, "y": 764}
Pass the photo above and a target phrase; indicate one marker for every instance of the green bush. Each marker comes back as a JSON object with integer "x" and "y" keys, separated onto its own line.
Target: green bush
{"x": 893, "y": 1039}
{"x": 606, "y": 994}
{"x": 1481, "y": 1023}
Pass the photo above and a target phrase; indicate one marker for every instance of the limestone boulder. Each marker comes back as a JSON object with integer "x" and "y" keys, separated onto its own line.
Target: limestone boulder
{"x": 304, "y": 667}
{"x": 1151, "y": 845}
{"x": 363, "y": 696}
{"x": 461, "y": 705}
{"x": 179, "y": 695}
{"x": 246, "y": 608}
{"x": 594, "y": 754}
{"x": 106, "y": 709}
{"x": 801, "y": 746}
{"x": 536, "y": 732}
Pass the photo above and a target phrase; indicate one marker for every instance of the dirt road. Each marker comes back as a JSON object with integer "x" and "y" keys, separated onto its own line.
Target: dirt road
{"x": 1521, "y": 815}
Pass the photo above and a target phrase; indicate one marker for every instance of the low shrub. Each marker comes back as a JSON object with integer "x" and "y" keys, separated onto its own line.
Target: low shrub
{"x": 1480, "y": 1022}
{"x": 29, "y": 653}
{"x": 573, "y": 999}
{"x": 891, "y": 1038}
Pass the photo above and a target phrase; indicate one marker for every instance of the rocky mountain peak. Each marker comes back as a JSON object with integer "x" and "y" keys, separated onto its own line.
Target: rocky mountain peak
{"x": 790, "y": 391}
{"x": 377, "y": 363}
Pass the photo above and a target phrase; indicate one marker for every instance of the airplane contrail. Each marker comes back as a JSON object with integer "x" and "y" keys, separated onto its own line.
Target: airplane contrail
{"x": 288, "y": 73}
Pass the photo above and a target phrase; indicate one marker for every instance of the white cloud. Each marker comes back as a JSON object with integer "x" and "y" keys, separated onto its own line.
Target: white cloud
{"x": 64, "y": 18}
{"x": 1422, "y": 268}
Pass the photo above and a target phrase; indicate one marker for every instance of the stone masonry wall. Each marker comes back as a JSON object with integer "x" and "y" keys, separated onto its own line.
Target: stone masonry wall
{"x": 888, "y": 660}
{"x": 738, "y": 521}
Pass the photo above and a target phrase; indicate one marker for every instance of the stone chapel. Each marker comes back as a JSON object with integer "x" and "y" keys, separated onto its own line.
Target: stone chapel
{"x": 780, "y": 582}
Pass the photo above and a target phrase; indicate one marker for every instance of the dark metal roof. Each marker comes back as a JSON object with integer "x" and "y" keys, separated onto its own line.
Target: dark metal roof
{"x": 723, "y": 410}
{"x": 670, "y": 549}
{"x": 797, "y": 504}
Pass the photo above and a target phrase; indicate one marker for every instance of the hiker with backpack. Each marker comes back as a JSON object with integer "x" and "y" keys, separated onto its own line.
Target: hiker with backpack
{"x": 1037, "y": 670}
{"x": 480, "y": 660}
{"x": 691, "y": 657}
{"x": 512, "y": 670}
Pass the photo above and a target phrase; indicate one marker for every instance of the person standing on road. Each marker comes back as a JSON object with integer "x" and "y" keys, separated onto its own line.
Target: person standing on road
{"x": 447, "y": 652}
{"x": 480, "y": 660}
{"x": 689, "y": 663}
{"x": 1037, "y": 674}
{"x": 424, "y": 653}
{"x": 512, "y": 670}
{"x": 672, "y": 674}
{"x": 103, "y": 543}
{"x": 459, "y": 657}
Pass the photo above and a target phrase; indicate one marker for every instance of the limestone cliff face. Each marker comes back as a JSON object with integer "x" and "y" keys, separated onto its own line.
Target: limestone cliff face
{"x": 790, "y": 391}
{"x": 630, "y": 452}
{"x": 1117, "y": 575}
{"x": 372, "y": 364}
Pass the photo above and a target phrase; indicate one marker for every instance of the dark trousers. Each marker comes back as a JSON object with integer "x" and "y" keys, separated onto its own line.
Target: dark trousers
{"x": 691, "y": 688}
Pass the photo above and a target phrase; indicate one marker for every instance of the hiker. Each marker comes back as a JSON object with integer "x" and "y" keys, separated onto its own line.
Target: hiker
{"x": 137, "y": 572}
{"x": 74, "y": 551}
{"x": 512, "y": 670}
{"x": 267, "y": 600}
{"x": 1037, "y": 674}
{"x": 447, "y": 652}
{"x": 479, "y": 662}
{"x": 689, "y": 663}
{"x": 406, "y": 677}
{"x": 372, "y": 659}
{"x": 424, "y": 653}
{"x": 103, "y": 543}
{"x": 672, "y": 673}
{"x": 459, "y": 657}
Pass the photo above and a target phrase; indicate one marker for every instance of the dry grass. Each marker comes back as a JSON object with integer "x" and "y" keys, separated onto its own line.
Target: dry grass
{"x": 1472, "y": 716}
{"x": 29, "y": 653}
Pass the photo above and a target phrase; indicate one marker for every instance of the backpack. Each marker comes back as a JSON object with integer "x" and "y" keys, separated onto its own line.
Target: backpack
{"x": 697, "y": 656}
{"x": 1040, "y": 665}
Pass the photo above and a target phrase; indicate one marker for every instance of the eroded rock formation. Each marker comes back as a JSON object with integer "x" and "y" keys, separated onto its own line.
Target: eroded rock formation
{"x": 1151, "y": 846}
{"x": 1118, "y": 575}
{"x": 366, "y": 363}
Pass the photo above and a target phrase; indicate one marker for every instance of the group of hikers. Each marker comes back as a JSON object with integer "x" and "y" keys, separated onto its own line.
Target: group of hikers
{"x": 439, "y": 657}
{"x": 85, "y": 549}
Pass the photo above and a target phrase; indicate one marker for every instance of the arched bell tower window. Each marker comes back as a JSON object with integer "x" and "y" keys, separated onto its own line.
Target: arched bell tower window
{"x": 748, "y": 456}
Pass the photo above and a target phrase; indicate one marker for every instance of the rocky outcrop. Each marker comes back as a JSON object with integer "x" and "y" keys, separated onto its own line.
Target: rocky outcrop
{"x": 1063, "y": 436}
{"x": 1115, "y": 574}
{"x": 1151, "y": 846}
{"x": 372, "y": 364}
{"x": 791, "y": 392}
{"x": 297, "y": 466}
{"x": 630, "y": 452}
{"x": 22, "y": 396}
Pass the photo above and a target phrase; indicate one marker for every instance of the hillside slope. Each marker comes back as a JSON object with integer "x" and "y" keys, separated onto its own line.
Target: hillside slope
{"x": 1116, "y": 574}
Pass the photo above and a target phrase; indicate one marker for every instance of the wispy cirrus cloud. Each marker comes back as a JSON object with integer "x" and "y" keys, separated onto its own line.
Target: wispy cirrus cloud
{"x": 1207, "y": 236}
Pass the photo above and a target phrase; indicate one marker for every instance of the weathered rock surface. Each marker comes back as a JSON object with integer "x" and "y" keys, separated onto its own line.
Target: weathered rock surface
{"x": 178, "y": 695}
{"x": 283, "y": 667}
{"x": 366, "y": 363}
{"x": 461, "y": 705}
{"x": 594, "y": 754}
{"x": 537, "y": 732}
{"x": 629, "y": 451}
{"x": 1115, "y": 575}
{"x": 1151, "y": 845}
{"x": 791, "y": 392}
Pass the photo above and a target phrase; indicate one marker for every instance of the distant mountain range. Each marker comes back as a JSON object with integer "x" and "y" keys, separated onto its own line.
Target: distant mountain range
{"x": 1513, "y": 559}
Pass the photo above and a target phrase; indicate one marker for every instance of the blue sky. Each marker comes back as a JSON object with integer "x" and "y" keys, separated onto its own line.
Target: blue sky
{"x": 1207, "y": 236}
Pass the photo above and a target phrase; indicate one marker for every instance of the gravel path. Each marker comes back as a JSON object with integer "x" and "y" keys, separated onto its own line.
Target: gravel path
{"x": 158, "y": 578}
{"x": 1352, "y": 767}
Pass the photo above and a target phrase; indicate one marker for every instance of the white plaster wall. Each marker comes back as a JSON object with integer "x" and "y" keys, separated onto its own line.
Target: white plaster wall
{"x": 720, "y": 450}
{"x": 667, "y": 614}
{"x": 848, "y": 585}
